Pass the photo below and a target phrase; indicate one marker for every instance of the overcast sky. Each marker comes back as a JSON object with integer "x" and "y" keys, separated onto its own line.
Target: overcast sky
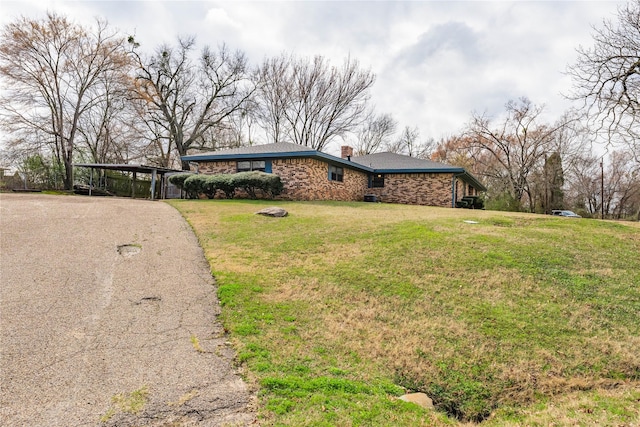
{"x": 435, "y": 62}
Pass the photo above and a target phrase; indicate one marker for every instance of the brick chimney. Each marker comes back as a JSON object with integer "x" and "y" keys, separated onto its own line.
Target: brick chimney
{"x": 346, "y": 152}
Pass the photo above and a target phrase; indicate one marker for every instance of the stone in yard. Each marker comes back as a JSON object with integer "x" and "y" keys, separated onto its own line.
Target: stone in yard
{"x": 419, "y": 399}
{"x": 273, "y": 211}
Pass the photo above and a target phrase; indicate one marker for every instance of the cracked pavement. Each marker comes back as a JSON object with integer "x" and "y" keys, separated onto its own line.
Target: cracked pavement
{"x": 103, "y": 298}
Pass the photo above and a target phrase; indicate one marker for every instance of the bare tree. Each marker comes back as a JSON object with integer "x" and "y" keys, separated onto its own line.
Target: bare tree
{"x": 582, "y": 181}
{"x": 51, "y": 68}
{"x": 455, "y": 150}
{"x": 610, "y": 185}
{"x": 375, "y": 133}
{"x": 514, "y": 149}
{"x": 272, "y": 96}
{"x": 409, "y": 143}
{"x": 234, "y": 132}
{"x": 155, "y": 147}
{"x": 606, "y": 77}
{"x": 309, "y": 102}
{"x": 105, "y": 130}
{"x": 186, "y": 99}
{"x": 238, "y": 128}
{"x": 623, "y": 186}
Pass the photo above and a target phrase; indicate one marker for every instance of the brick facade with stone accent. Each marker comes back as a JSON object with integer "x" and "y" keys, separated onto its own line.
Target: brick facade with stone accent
{"x": 308, "y": 174}
{"x": 432, "y": 189}
{"x": 304, "y": 179}
{"x": 308, "y": 179}
{"x": 213, "y": 168}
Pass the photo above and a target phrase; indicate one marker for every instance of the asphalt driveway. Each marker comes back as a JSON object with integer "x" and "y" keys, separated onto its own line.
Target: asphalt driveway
{"x": 108, "y": 318}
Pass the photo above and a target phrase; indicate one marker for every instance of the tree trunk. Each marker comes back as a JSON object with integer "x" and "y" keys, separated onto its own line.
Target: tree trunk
{"x": 68, "y": 175}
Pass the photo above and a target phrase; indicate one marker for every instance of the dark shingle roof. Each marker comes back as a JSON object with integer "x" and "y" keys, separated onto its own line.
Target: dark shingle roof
{"x": 398, "y": 162}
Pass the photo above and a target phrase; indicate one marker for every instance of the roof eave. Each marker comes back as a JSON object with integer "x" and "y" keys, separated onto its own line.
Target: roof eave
{"x": 421, "y": 170}
{"x": 127, "y": 167}
{"x": 273, "y": 155}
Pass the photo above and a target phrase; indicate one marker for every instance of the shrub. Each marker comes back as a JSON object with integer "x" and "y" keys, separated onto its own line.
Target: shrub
{"x": 226, "y": 183}
{"x": 269, "y": 185}
{"x": 194, "y": 185}
{"x": 253, "y": 183}
{"x": 209, "y": 186}
{"x": 178, "y": 179}
{"x": 503, "y": 202}
{"x": 248, "y": 181}
{"x": 42, "y": 172}
{"x": 274, "y": 185}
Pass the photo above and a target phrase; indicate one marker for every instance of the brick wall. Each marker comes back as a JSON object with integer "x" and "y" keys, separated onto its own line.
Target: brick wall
{"x": 212, "y": 168}
{"x": 431, "y": 189}
{"x": 304, "y": 179}
{"x": 307, "y": 179}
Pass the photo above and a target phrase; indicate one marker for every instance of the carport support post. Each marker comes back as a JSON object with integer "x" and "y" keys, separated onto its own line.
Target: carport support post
{"x": 90, "y": 180}
{"x": 133, "y": 185}
{"x": 154, "y": 174}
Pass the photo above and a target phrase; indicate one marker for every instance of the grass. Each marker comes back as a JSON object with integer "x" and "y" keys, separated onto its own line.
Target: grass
{"x": 131, "y": 403}
{"x": 339, "y": 308}
{"x": 196, "y": 344}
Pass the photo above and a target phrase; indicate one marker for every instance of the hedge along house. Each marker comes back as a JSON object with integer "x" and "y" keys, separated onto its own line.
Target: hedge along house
{"x": 308, "y": 174}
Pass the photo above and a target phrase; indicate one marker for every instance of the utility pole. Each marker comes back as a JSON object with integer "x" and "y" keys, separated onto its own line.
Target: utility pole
{"x": 601, "y": 189}
{"x": 546, "y": 187}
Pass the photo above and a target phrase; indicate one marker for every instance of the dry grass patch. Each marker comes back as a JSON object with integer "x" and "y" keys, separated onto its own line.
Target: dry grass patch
{"x": 608, "y": 406}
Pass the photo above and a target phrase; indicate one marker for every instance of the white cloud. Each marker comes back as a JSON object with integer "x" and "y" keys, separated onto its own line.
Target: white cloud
{"x": 435, "y": 61}
{"x": 220, "y": 17}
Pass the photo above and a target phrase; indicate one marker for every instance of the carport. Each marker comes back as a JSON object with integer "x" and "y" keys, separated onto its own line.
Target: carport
{"x": 155, "y": 172}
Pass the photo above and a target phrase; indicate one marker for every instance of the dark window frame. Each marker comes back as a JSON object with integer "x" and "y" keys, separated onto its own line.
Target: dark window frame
{"x": 254, "y": 165}
{"x": 377, "y": 180}
{"x": 336, "y": 173}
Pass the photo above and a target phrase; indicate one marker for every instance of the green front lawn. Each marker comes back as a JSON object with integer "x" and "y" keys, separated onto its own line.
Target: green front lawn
{"x": 339, "y": 308}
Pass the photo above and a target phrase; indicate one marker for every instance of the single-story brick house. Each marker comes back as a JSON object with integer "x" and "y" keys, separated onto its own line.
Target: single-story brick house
{"x": 308, "y": 174}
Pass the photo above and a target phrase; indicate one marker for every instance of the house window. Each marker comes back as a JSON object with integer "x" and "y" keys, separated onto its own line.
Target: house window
{"x": 336, "y": 173}
{"x": 253, "y": 165}
{"x": 377, "y": 181}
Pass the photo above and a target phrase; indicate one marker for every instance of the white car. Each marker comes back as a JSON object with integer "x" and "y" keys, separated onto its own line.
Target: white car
{"x": 569, "y": 214}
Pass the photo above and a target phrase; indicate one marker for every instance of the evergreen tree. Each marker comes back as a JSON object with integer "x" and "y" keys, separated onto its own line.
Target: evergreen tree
{"x": 553, "y": 181}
